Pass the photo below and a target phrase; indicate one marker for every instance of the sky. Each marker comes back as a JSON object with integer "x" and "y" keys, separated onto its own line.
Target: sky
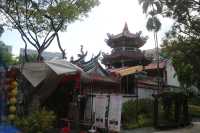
{"x": 91, "y": 32}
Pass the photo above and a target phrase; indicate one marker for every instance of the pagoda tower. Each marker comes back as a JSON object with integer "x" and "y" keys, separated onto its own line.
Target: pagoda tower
{"x": 125, "y": 50}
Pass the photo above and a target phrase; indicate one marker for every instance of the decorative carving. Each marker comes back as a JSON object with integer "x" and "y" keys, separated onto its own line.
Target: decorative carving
{"x": 71, "y": 59}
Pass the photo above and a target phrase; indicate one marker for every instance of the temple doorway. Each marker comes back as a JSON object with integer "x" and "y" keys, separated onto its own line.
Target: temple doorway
{"x": 60, "y": 101}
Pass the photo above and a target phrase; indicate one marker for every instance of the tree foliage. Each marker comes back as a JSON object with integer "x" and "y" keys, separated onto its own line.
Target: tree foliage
{"x": 31, "y": 58}
{"x": 185, "y": 56}
{"x": 39, "y": 21}
{"x": 152, "y": 8}
{"x": 37, "y": 122}
{"x": 153, "y": 24}
{"x": 5, "y": 56}
{"x": 182, "y": 41}
{"x": 186, "y": 14}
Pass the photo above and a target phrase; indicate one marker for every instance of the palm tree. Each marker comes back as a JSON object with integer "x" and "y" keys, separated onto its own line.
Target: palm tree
{"x": 151, "y": 8}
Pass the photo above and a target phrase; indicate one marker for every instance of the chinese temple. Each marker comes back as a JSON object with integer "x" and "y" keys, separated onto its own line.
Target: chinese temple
{"x": 137, "y": 71}
{"x": 126, "y": 59}
{"x": 125, "y": 50}
{"x": 96, "y": 81}
{"x": 84, "y": 91}
{"x": 96, "y": 76}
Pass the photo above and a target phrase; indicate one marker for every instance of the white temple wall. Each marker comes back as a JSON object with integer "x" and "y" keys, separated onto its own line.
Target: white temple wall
{"x": 145, "y": 93}
{"x": 172, "y": 79}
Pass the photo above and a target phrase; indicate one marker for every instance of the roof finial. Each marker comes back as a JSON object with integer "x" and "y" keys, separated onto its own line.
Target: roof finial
{"x": 125, "y": 30}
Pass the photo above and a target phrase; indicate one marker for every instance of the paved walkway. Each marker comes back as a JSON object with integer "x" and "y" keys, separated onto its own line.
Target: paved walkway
{"x": 194, "y": 128}
{"x": 140, "y": 130}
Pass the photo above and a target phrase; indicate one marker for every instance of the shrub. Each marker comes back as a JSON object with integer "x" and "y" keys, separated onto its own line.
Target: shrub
{"x": 37, "y": 122}
{"x": 195, "y": 100}
{"x": 129, "y": 111}
{"x": 172, "y": 110}
{"x": 194, "y": 110}
{"x": 194, "y": 106}
{"x": 137, "y": 113}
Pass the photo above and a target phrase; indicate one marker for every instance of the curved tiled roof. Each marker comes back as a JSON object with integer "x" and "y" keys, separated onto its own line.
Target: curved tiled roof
{"x": 80, "y": 59}
{"x": 129, "y": 37}
{"x": 124, "y": 55}
{"x": 152, "y": 66}
{"x": 125, "y": 32}
{"x": 94, "y": 70}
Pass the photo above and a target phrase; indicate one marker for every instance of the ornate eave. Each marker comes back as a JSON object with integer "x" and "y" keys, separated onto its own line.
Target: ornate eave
{"x": 135, "y": 39}
{"x": 125, "y": 33}
{"x": 81, "y": 59}
{"x": 94, "y": 69}
{"x": 124, "y": 41}
{"x": 91, "y": 64}
{"x": 123, "y": 55}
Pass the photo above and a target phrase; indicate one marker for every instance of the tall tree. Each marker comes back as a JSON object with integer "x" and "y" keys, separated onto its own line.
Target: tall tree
{"x": 182, "y": 41}
{"x": 184, "y": 53}
{"x": 39, "y": 21}
{"x": 152, "y": 8}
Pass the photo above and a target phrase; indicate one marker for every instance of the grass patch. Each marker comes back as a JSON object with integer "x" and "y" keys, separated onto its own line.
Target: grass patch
{"x": 194, "y": 101}
{"x": 142, "y": 122}
{"x": 194, "y": 110}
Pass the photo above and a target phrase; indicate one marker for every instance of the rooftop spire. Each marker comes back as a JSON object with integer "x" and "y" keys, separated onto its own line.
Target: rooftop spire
{"x": 125, "y": 30}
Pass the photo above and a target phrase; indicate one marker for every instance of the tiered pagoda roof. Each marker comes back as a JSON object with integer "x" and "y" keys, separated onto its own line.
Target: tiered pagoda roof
{"x": 125, "y": 49}
{"x": 126, "y": 38}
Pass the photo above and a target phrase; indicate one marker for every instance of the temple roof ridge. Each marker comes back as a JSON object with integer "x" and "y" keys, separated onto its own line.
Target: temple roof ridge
{"x": 126, "y": 30}
{"x": 124, "y": 33}
{"x": 81, "y": 58}
{"x": 93, "y": 59}
{"x": 126, "y": 38}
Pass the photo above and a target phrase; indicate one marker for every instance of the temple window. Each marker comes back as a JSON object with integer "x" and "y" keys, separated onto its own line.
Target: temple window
{"x": 128, "y": 84}
{"x": 131, "y": 49}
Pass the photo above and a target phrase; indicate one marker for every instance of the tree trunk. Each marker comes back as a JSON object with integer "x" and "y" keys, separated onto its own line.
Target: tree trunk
{"x": 25, "y": 50}
{"x": 25, "y": 53}
{"x": 39, "y": 57}
{"x": 60, "y": 47}
{"x": 158, "y": 61}
{"x": 157, "y": 58}
{"x": 156, "y": 112}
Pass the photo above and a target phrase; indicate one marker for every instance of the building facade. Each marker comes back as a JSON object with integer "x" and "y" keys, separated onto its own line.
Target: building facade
{"x": 45, "y": 55}
{"x": 140, "y": 73}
